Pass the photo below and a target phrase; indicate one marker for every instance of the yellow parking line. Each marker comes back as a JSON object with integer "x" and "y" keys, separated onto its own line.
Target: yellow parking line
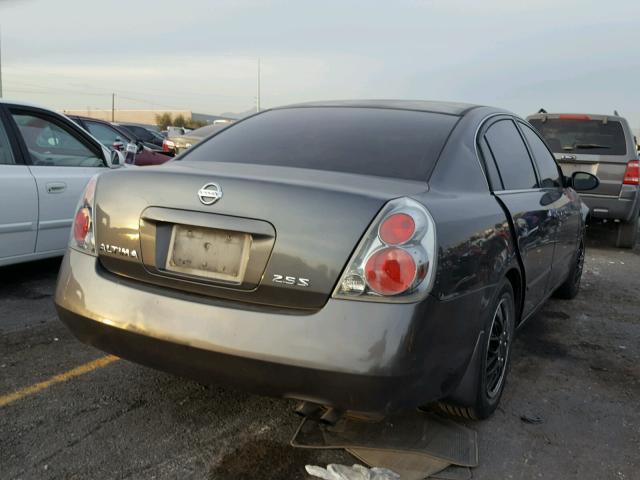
{"x": 62, "y": 377}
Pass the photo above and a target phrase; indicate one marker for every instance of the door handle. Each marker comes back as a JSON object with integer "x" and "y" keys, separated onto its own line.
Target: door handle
{"x": 56, "y": 187}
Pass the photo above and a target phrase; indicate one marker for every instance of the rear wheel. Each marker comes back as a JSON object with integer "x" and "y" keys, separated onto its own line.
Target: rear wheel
{"x": 496, "y": 359}
{"x": 627, "y": 234}
{"x": 571, "y": 286}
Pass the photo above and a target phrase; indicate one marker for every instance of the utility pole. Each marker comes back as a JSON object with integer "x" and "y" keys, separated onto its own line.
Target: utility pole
{"x": 0, "y": 62}
{"x": 258, "y": 92}
{"x": 113, "y": 107}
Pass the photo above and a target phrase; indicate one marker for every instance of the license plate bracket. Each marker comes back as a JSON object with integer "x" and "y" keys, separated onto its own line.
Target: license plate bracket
{"x": 213, "y": 254}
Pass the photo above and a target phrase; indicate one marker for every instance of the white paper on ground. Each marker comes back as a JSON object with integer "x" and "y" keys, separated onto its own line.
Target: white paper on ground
{"x": 335, "y": 471}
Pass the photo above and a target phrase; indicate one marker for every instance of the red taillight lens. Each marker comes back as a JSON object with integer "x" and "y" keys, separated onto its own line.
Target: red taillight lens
{"x": 81, "y": 225}
{"x": 168, "y": 146}
{"x": 390, "y": 271}
{"x": 632, "y": 173}
{"x": 397, "y": 229}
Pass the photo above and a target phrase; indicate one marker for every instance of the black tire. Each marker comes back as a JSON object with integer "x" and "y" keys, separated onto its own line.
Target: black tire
{"x": 571, "y": 286}
{"x": 497, "y": 348}
{"x": 496, "y": 353}
{"x": 627, "y": 234}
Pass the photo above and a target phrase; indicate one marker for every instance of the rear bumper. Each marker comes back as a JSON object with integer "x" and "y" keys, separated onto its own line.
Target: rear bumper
{"x": 614, "y": 208}
{"x": 351, "y": 355}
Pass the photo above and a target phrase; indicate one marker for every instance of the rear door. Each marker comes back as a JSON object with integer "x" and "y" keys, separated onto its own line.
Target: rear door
{"x": 565, "y": 206}
{"x": 529, "y": 205}
{"x": 62, "y": 160}
{"x": 18, "y": 198}
{"x": 584, "y": 143}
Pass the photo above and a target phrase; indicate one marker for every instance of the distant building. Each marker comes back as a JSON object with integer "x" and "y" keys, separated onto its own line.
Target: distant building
{"x": 147, "y": 117}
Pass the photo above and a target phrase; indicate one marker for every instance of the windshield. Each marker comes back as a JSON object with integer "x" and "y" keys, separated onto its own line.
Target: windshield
{"x": 368, "y": 141}
{"x": 593, "y": 137}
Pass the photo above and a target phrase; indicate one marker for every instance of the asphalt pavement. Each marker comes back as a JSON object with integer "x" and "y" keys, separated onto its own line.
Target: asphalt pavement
{"x": 570, "y": 409}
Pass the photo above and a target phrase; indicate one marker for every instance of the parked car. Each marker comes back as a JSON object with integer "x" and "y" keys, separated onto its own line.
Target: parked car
{"x": 605, "y": 146}
{"x": 112, "y": 136}
{"x": 176, "y": 145}
{"x": 176, "y": 131}
{"x": 366, "y": 255}
{"x": 143, "y": 134}
{"x": 45, "y": 163}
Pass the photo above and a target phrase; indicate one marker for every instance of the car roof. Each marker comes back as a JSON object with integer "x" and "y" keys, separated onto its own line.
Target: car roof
{"x": 91, "y": 118}
{"x": 448, "y": 108}
{"x": 146, "y": 126}
{"x": 7, "y": 101}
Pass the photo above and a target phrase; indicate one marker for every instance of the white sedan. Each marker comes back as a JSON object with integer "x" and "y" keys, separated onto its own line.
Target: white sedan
{"x": 46, "y": 161}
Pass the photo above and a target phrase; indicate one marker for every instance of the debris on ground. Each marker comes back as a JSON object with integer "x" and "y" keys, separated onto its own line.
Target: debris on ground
{"x": 532, "y": 419}
{"x": 355, "y": 472}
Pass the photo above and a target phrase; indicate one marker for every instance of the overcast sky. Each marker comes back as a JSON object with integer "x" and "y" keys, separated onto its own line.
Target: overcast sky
{"x": 563, "y": 55}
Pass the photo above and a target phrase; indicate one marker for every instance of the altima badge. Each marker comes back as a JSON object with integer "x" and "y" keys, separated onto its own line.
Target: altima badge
{"x": 125, "y": 252}
{"x": 210, "y": 193}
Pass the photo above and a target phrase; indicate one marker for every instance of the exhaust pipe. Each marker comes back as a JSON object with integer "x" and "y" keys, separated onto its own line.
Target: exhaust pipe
{"x": 318, "y": 413}
{"x": 307, "y": 409}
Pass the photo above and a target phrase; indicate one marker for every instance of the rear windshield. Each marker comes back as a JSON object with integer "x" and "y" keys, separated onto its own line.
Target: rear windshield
{"x": 382, "y": 142}
{"x": 582, "y": 136}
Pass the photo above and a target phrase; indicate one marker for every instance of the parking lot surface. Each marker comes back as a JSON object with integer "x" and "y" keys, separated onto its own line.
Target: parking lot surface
{"x": 575, "y": 377}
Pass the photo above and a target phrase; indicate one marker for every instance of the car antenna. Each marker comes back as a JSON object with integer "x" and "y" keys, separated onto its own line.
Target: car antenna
{"x": 615, "y": 112}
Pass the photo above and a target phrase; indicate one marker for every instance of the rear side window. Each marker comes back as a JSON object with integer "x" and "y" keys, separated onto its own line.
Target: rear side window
{"x": 547, "y": 166}
{"x": 511, "y": 156}
{"x": 140, "y": 132}
{"x": 371, "y": 141}
{"x": 106, "y": 135}
{"x": 594, "y": 137}
{"x": 490, "y": 165}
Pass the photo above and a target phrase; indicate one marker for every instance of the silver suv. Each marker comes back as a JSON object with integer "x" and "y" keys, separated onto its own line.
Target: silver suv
{"x": 604, "y": 146}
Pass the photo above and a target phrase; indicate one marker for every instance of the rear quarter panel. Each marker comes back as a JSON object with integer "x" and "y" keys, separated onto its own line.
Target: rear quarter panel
{"x": 475, "y": 249}
{"x": 475, "y": 244}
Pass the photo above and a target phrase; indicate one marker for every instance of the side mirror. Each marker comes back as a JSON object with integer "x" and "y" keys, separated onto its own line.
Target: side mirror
{"x": 583, "y": 181}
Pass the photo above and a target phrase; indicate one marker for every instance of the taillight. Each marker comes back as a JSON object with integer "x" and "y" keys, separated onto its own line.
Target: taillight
{"x": 397, "y": 229}
{"x": 395, "y": 260}
{"x": 390, "y": 271}
{"x": 168, "y": 146}
{"x": 82, "y": 237}
{"x": 632, "y": 173}
{"x": 81, "y": 225}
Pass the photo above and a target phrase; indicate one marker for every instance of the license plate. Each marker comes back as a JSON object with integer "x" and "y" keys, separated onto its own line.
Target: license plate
{"x": 205, "y": 252}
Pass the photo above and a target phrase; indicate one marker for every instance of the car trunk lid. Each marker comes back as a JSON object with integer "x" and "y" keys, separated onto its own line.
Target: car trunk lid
{"x": 278, "y": 236}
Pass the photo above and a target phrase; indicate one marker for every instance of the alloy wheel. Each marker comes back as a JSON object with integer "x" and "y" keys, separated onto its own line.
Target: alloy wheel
{"x": 498, "y": 350}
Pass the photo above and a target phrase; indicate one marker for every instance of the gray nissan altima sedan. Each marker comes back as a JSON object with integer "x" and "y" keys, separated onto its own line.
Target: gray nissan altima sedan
{"x": 359, "y": 255}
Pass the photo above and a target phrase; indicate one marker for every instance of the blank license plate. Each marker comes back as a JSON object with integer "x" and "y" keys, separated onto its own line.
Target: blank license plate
{"x": 205, "y": 252}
